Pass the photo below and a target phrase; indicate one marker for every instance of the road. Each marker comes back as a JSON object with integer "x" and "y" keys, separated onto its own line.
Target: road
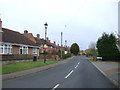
{"x": 77, "y": 73}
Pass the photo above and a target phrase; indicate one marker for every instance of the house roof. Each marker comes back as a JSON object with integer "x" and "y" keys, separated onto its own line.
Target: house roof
{"x": 11, "y": 36}
{"x": 42, "y": 41}
{"x": 39, "y": 41}
{"x": 30, "y": 36}
{"x": 55, "y": 46}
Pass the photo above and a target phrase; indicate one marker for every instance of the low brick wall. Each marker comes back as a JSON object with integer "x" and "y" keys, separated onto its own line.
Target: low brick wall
{"x": 47, "y": 57}
{"x": 16, "y": 57}
{"x": 19, "y": 57}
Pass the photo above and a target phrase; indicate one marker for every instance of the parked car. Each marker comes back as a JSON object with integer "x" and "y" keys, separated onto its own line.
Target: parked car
{"x": 99, "y": 58}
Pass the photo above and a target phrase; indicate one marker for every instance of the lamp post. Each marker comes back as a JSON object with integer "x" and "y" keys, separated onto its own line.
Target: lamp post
{"x": 61, "y": 44}
{"x": 45, "y": 42}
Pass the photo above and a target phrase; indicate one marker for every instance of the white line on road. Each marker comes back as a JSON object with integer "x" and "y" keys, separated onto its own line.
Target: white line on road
{"x": 79, "y": 63}
{"x": 76, "y": 66}
{"x": 55, "y": 86}
{"x": 69, "y": 74}
{"x": 99, "y": 69}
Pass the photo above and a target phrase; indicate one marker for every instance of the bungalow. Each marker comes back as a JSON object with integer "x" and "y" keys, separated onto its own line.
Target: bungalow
{"x": 51, "y": 48}
{"x": 13, "y": 42}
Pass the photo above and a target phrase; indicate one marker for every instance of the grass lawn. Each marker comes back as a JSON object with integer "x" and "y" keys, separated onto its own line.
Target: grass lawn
{"x": 20, "y": 66}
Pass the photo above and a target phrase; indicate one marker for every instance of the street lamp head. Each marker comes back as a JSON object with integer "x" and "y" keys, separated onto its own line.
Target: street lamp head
{"x": 46, "y": 25}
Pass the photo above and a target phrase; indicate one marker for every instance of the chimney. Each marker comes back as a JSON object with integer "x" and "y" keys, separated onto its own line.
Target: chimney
{"x": 47, "y": 38}
{"x": 25, "y": 31}
{"x": 38, "y": 36}
{"x": 0, "y": 24}
{"x": 54, "y": 42}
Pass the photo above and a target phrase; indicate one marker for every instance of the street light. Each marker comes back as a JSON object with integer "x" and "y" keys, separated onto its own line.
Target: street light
{"x": 45, "y": 42}
{"x": 61, "y": 44}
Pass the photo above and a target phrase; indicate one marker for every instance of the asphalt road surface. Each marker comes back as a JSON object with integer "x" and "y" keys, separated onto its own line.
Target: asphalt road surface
{"x": 77, "y": 73}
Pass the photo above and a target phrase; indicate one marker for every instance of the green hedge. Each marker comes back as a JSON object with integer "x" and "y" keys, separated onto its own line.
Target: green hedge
{"x": 66, "y": 55}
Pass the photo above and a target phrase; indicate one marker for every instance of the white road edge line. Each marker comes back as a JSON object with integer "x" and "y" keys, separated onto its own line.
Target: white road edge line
{"x": 69, "y": 74}
{"x": 99, "y": 69}
{"x": 79, "y": 63}
{"x": 55, "y": 86}
{"x": 76, "y": 66}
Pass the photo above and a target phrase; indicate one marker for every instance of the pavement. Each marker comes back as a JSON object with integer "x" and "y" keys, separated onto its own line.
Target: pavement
{"x": 78, "y": 72}
{"x": 110, "y": 69}
{"x": 34, "y": 70}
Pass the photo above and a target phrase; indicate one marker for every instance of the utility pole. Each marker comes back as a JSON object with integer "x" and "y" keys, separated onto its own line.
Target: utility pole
{"x": 61, "y": 44}
{"x": 118, "y": 43}
{"x": 65, "y": 43}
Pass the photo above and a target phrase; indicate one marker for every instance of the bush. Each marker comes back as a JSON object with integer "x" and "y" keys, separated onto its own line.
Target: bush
{"x": 66, "y": 55}
{"x": 107, "y": 47}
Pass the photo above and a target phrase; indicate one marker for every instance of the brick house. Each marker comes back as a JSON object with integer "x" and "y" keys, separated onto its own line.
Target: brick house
{"x": 13, "y": 42}
{"x": 51, "y": 48}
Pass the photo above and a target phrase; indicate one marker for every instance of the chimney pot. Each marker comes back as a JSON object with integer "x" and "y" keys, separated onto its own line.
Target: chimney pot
{"x": 54, "y": 42}
{"x": 47, "y": 38}
{"x": 0, "y": 24}
{"x": 25, "y": 31}
{"x": 38, "y": 35}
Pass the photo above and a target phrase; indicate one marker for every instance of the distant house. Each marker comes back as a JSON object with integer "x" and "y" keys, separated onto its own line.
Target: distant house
{"x": 51, "y": 48}
{"x": 13, "y": 42}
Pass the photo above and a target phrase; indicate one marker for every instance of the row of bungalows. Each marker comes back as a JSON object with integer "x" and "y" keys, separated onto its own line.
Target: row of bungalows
{"x": 51, "y": 48}
{"x": 14, "y": 45}
{"x": 22, "y": 46}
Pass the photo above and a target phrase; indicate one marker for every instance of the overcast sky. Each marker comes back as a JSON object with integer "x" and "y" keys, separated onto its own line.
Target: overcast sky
{"x": 81, "y": 21}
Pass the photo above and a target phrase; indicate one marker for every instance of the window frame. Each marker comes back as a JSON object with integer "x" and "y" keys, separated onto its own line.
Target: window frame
{"x": 24, "y": 50}
{"x": 35, "y": 51}
{"x": 6, "y": 47}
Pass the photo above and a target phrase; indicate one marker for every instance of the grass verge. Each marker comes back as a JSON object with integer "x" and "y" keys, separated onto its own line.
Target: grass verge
{"x": 20, "y": 66}
{"x": 95, "y": 60}
{"x": 90, "y": 59}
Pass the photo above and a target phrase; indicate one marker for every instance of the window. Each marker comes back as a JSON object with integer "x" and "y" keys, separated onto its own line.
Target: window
{"x": 23, "y": 50}
{"x": 9, "y": 49}
{"x": 35, "y": 51}
{"x": 1, "y": 49}
{"x": 41, "y": 45}
{"x": 5, "y": 49}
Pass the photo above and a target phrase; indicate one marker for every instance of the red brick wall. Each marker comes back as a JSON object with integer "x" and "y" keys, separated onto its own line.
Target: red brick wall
{"x": 30, "y": 50}
{"x": 15, "y": 49}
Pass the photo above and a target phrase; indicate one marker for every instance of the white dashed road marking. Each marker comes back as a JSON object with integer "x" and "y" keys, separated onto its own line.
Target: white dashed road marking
{"x": 69, "y": 74}
{"x": 56, "y": 86}
{"x": 66, "y": 76}
{"x": 76, "y": 66}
